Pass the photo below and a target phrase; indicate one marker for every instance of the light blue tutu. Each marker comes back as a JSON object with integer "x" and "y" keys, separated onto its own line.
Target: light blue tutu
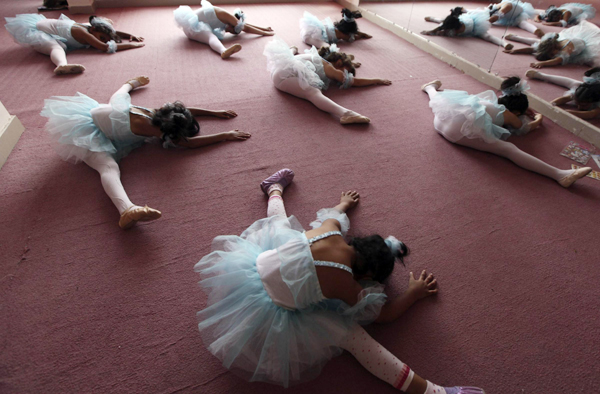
{"x": 586, "y": 38}
{"x": 308, "y": 68}
{"x": 476, "y": 23}
{"x": 188, "y": 21}
{"x": 257, "y": 339}
{"x": 521, "y": 11}
{"x": 312, "y": 27}
{"x": 449, "y": 104}
{"x": 24, "y": 30}
{"x": 578, "y": 12}
{"x": 71, "y": 126}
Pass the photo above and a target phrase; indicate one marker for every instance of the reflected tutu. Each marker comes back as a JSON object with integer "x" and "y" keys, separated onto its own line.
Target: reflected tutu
{"x": 188, "y": 21}
{"x": 312, "y": 27}
{"x": 476, "y": 23}
{"x": 521, "y": 11}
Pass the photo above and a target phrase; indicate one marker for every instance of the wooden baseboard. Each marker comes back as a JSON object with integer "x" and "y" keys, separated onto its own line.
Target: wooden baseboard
{"x": 575, "y": 125}
{"x": 10, "y": 132}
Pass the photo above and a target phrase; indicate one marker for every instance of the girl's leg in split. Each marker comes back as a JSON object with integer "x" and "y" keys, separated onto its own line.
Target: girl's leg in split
{"x": 434, "y": 19}
{"x": 531, "y": 28}
{"x": 315, "y": 96}
{"x": 554, "y": 79}
{"x": 273, "y": 187}
{"x": 59, "y": 58}
{"x": 523, "y": 40}
{"x": 315, "y": 42}
{"x": 387, "y": 367}
{"x": 496, "y": 40}
{"x": 208, "y": 37}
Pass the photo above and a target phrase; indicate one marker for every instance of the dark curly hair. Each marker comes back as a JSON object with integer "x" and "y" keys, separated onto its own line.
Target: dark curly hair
{"x": 374, "y": 256}
{"x": 545, "y": 48}
{"x": 452, "y": 22}
{"x": 175, "y": 121}
{"x": 345, "y": 26}
{"x": 552, "y": 14}
{"x": 514, "y": 103}
{"x": 104, "y": 25}
{"x": 332, "y": 57}
{"x": 588, "y": 92}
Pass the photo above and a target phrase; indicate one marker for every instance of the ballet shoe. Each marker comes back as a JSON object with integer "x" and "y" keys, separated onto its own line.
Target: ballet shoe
{"x": 69, "y": 69}
{"x": 508, "y": 47}
{"x": 282, "y": 178}
{"x": 139, "y": 81}
{"x": 509, "y": 36}
{"x": 231, "y": 50}
{"x": 574, "y": 176}
{"x": 531, "y": 74}
{"x": 137, "y": 214}
{"x": 437, "y": 83}
{"x": 354, "y": 119}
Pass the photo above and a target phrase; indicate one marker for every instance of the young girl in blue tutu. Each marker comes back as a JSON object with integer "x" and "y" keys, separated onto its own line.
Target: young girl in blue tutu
{"x": 209, "y": 24}
{"x": 566, "y": 15}
{"x": 584, "y": 94}
{"x": 54, "y": 37}
{"x": 283, "y": 301}
{"x": 465, "y": 24}
{"x": 576, "y": 45}
{"x": 483, "y": 122}
{"x": 306, "y": 75}
{"x": 323, "y": 33}
{"x": 515, "y": 13}
{"x": 101, "y": 134}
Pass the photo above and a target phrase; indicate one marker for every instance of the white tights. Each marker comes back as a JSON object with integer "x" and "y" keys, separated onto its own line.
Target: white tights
{"x": 110, "y": 175}
{"x": 524, "y": 40}
{"x": 317, "y": 43}
{"x": 558, "y": 80}
{"x": 529, "y": 27}
{"x": 486, "y": 36}
{"x": 275, "y": 206}
{"x": 314, "y": 95}
{"x": 499, "y": 147}
{"x": 55, "y": 51}
{"x": 207, "y": 37}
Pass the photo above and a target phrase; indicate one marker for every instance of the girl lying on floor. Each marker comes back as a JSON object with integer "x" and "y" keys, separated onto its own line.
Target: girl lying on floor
{"x": 53, "y": 37}
{"x": 101, "y": 134}
{"x": 323, "y": 33}
{"x": 282, "y": 302}
{"x": 465, "y": 24}
{"x": 585, "y": 94}
{"x": 576, "y": 45}
{"x": 566, "y": 15}
{"x": 483, "y": 122}
{"x": 307, "y": 75}
{"x": 515, "y": 13}
{"x": 209, "y": 24}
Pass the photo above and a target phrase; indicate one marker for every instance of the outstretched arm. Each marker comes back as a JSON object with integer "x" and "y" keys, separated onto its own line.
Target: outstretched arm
{"x": 420, "y": 288}
{"x": 562, "y": 100}
{"x": 129, "y": 37}
{"x": 438, "y": 31}
{"x": 520, "y": 51}
{"x": 348, "y": 200}
{"x": 586, "y": 114}
{"x": 557, "y": 61}
{"x": 225, "y": 114}
{"x": 204, "y": 140}
{"x": 362, "y": 36}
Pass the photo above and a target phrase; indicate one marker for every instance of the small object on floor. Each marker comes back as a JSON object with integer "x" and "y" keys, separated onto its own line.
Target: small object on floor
{"x": 593, "y": 174}
{"x": 596, "y": 159}
{"x": 577, "y": 152}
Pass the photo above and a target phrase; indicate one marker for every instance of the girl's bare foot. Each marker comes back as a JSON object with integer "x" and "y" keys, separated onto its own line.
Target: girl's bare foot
{"x": 231, "y": 50}
{"x": 437, "y": 84}
{"x": 69, "y": 69}
{"x": 352, "y": 117}
{"x": 139, "y": 81}
{"x": 349, "y": 199}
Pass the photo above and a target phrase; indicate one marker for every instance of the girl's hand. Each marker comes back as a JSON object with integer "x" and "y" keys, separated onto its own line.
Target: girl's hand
{"x": 236, "y": 135}
{"x": 384, "y": 82}
{"x": 538, "y": 117}
{"x": 536, "y": 65}
{"x": 349, "y": 199}
{"x": 136, "y": 38}
{"x": 423, "y": 287}
{"x": 225, "y": 114}
{"x": 427, "y": 33}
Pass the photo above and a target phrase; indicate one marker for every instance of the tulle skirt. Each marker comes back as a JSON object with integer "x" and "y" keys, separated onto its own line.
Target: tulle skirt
{"x": 24, "y": 30}
{"x": 450, "y": 105}
{"x": 72, "y": 128}
{"x": 308, "y": 68}
{"x": 252, "y": 336}
{"x": 590, "y": 34}
{"x": 476, "y": 23}
{"x": 312, "y": 27}
{"x": 521, "y": 11}
{"x": 188, "y": 21}
{"x": 587, "y": 11}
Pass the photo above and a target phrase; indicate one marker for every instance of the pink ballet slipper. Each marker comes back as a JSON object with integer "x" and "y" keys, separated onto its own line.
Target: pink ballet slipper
{"x": 282, "y": 177}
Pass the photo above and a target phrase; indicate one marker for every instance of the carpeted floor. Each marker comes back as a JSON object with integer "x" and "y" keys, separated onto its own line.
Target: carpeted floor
{"x": 87, "y": 307}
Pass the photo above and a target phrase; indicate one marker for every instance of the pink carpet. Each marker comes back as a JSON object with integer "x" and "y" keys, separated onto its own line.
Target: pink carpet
{"x": 87, "y": 307}
{"x": 485, "y": 54}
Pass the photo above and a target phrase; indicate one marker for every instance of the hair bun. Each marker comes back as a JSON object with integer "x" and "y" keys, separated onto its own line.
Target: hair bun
{"x": 397, "y": 247}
